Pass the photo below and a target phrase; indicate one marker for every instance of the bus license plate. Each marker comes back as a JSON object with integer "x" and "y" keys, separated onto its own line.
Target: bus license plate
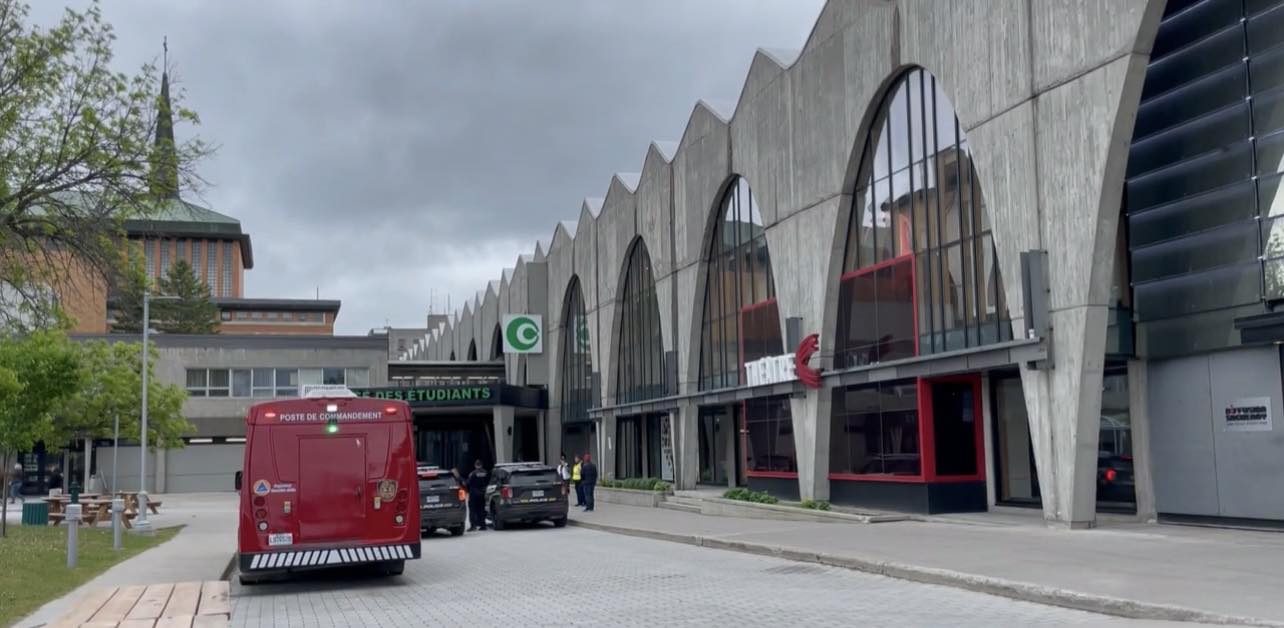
{"x": 286, "y": 538}
{"x": 537, "y": 493}
{"x": 432, "y": 499}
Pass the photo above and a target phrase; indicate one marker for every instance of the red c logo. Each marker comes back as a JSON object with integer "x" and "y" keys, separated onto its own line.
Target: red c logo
{"x": 809, "y": 376}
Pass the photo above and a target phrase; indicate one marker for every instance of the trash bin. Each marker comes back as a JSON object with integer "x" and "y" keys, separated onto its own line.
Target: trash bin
{"x": 35, "y": 513}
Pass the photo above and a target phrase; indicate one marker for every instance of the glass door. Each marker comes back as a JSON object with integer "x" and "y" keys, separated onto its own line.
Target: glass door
{"x": 1018, "y": 480}
{"x": 716, "y": 440}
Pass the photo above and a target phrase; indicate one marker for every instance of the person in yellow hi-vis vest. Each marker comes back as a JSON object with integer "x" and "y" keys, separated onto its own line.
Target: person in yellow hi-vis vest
{"x": 575, "y": 479}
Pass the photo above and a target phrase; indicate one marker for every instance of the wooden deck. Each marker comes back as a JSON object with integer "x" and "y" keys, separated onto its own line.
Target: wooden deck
{"x": 186, "y": 605}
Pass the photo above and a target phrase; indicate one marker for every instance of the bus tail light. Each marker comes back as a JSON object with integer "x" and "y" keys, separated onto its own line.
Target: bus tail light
{"x": 1111, "y": 474}
{"x": 506, "y": 492}
{"x": 390, "y": 410}
{"x": 269, "y": 415}
{"x": 402, "y": 499}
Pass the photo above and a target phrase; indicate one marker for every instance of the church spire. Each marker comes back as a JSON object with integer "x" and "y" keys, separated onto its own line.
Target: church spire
{"x": 164, "y": 175}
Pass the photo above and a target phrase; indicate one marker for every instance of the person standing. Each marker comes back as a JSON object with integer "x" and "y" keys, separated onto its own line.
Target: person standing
{"x": 575, "y": 479}
{"x": 564, "y": 472}
{"x": 55, "y": 478}
{"x": 15, "y": 484}
{"x": 588, "y": 477}
{"x": 476, "y": 484}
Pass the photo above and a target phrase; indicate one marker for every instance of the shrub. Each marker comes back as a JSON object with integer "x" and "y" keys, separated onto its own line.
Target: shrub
{"x": 812, "y": 504}
{"x": 746, "y": 495}
{"x": 637, "y": 484}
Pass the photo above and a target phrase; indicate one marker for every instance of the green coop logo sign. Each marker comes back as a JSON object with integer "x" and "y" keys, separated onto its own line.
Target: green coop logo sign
{"x": 523, "y": 333}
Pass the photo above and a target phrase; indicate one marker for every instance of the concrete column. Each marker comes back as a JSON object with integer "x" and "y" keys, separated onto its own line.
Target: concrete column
{"x": 89, "y": 461}
{"x": 502, "y": 416}
{"x": 606, "y": 446}
{"x": 161, "y": 456}
{"x": 686, "y": 424}
{"x": 541, "y": 420}
{"x": 1139, "y": 413}
{"x": 810, "y": 414}
{"x": 552, "y": 430}
{"x": 1064, "y": 407}
{"x": 731, "y": 437}
{"x": 987, "y": 405}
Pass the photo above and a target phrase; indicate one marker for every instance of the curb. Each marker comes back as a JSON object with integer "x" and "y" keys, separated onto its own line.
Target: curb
{"x": 1022, "y": 591}
{"x": 227, "y": 570}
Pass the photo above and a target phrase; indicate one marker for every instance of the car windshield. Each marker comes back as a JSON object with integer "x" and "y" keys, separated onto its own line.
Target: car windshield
{"x": 441, "y": 481}
{"x": 533, "y": 477}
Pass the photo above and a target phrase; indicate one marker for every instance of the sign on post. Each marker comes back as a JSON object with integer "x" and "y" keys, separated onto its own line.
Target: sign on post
{"x": 523, "y": 333}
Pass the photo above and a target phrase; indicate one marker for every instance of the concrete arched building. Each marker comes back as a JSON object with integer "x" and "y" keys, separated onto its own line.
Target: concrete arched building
{"x": 937, "y": 189}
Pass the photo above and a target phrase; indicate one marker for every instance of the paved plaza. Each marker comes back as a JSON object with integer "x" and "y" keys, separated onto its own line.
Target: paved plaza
{"x": 549, "y": 577}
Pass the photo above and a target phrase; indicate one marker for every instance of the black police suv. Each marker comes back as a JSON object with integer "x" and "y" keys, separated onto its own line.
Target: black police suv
{"x": 526, "y": 492}
{"x": 442, "y": 501}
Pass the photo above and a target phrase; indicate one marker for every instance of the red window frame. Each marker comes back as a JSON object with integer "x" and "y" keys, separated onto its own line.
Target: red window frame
{"x": 901, "y": 259}
{"x": 927, "y": 428}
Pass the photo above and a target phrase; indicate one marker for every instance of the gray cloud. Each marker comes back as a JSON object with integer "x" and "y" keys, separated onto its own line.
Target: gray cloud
{"x": 380, "y": 150}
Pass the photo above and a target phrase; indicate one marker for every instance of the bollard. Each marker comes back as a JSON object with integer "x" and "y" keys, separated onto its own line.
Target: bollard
{"x": 117, "y": 510}
{"x": 73, "y": 528}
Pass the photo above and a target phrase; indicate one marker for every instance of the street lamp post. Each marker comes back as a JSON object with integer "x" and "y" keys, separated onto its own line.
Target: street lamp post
{"x": 142, "y": 524}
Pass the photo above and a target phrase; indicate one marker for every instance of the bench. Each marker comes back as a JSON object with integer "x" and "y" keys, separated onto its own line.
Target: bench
{"x": 173, "y": 604}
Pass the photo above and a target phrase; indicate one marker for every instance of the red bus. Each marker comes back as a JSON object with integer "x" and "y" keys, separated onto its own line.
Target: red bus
{"x": 328, "y": 481}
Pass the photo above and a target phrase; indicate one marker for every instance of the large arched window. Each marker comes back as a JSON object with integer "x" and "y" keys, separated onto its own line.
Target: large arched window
{"x": 496, "y": 345}
{"x": 472, "y": 350}
{"x": 919, "y": 270}
{"x": 577, "y": 362}
{"x": 640, "y": 361}
{"x": 741, "y": 321}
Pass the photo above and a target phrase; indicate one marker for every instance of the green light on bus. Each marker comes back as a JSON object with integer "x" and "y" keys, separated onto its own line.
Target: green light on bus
{"x": 332, "y": 428}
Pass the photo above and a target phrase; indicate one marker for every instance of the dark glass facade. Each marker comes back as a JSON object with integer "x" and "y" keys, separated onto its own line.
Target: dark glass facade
{"x": 1202, "y": 197}
{"x": 920, "y": 272}
{"x": 741, "y": 322}
{"x": 640, "y": 349}
{"x": 576, "y": 359}
{"x": 875, "y": 430}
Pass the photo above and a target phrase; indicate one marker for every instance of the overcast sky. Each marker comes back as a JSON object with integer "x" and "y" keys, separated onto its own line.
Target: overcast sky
{"x": 384, "y": 150}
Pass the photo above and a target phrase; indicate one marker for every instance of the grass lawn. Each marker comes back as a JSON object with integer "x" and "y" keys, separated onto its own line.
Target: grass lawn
{"x": 33, "y": 563}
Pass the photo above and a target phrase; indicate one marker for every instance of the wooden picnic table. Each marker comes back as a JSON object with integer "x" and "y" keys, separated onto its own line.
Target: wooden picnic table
{"x": 93, "y": 510}
{"x": 131, "y": 502}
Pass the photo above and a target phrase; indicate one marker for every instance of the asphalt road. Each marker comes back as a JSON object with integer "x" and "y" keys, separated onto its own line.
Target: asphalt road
{"x": 540, "y": 576}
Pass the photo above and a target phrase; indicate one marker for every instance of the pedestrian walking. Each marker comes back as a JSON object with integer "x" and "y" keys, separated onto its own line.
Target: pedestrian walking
{"x": 15, "y": 484}
{"x": 588, "y": 478}
{"x": 476, "y": 484}
{"x": 576, "y": 470}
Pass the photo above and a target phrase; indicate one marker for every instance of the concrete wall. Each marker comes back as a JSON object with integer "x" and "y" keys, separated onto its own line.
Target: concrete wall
{"x": 226, "y": 416}
{"x": 1046, "y": 92}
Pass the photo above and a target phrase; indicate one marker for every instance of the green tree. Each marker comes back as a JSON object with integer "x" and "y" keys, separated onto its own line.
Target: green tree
{"x": 193, "y": 312}
{"x": 82, "y": 148}
{"x": 37, "y": 372}
{"x": 127, "y": 303}
{"x": 110, "y": 391}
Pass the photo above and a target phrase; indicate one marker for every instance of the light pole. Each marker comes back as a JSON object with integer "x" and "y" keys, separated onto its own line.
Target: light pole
{"x": 143, "y": 525}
